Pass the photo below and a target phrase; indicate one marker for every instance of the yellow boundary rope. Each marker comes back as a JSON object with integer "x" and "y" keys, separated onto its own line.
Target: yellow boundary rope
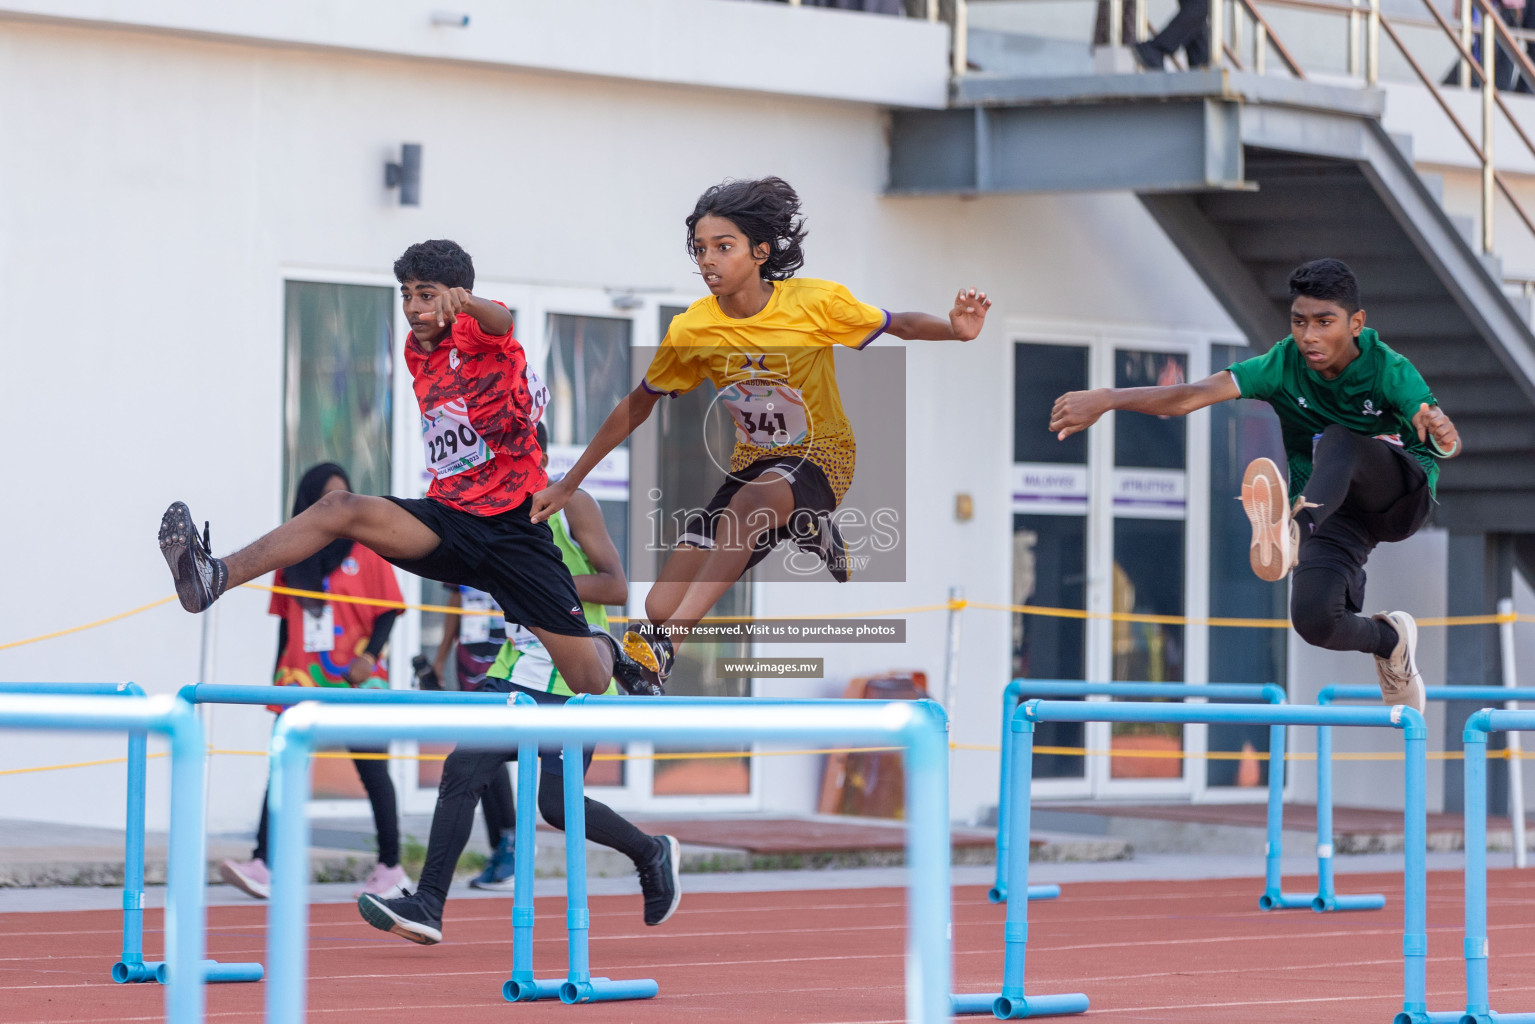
{"x": 955, "y": 605}
{"x": 711, "y": 755}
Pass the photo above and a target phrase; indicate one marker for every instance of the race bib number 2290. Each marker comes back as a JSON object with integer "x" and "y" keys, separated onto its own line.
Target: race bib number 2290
{"x": 453, "y": 446}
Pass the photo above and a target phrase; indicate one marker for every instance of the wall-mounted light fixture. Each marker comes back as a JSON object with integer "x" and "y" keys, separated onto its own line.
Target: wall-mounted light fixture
{"x": 406, "y": 175}
{"x": 450, "y": 19}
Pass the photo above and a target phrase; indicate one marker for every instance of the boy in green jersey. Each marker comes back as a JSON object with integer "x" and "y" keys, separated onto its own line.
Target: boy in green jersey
{"x": 1361, "y": 433}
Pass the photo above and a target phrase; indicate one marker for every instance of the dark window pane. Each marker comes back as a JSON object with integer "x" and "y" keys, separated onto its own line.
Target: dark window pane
{"x": 1041, "y": 374}
{"x": 588, "y": 374}
{"x": 1239, "y": 433}
{"x": 1050, "y": 570}
{"x": 1142, "y": 441}
{"x": 1148, "y": 580}
{"x": 339, "y": 367}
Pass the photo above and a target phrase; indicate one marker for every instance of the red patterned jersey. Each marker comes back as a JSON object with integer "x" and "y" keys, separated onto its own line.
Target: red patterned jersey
{"x": 477, "y": 419}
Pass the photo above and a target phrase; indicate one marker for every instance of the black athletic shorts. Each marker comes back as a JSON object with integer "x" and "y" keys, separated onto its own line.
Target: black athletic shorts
{"x": 1344, "y": 541}
{"x": 510, "y": 557}
{"x": 813, "y": 497}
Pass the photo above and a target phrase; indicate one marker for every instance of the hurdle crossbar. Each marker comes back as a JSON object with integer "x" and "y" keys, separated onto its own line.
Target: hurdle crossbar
{"x": 1013, "y": 1002}
{"x": 185, "y": 969}
{"x": 1327, "y": 897}
{"x": 1022, "y": 689}
{"x": 914, "y": 725}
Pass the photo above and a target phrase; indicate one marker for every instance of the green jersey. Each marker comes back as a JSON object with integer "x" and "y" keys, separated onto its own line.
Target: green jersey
{"x": 523, "y": 659}
{"x": 1376, "y": 394}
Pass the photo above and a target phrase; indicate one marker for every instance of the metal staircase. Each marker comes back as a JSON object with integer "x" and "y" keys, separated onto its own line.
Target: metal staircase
{"x": 1250, "y": 175}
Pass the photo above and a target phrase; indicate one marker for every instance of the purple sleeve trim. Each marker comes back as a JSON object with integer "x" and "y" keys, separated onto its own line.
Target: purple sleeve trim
{"x": 881, "y": 329}
{"x": 656, "y": 391}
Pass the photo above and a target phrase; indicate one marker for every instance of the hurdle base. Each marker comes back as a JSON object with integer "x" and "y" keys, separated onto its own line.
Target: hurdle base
{"x": 1016, "y": 1007}
{"x": 601, "y": 990}
{"x": 528, "y": 990}
{"x": 1451, "y": 1017}
{"x": 998, "y": 893}
{"x": 1325, "y": 904}
{"x": 1285, "y": 901}
{"x": 159, "y": 971}
{"x": 1486, "y": 1017}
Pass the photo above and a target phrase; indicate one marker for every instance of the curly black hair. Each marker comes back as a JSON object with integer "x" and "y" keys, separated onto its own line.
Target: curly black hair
{"x": 1329, "y": 280}
{"x": 766, "y": 210}
{"x": 437, "y": 260}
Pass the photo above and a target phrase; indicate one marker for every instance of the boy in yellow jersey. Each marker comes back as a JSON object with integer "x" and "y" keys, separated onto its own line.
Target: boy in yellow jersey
{"x": 766, "y": 341}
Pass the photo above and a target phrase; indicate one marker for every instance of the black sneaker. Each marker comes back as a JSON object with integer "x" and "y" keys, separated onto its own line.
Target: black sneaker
{"x": 659, "y": 882}
{"x": 200, "y": 578}
{"x": 826, "y": 542}
{"x": 651, "y": 649}
{"x": 633, "y": 678}
{"x": 409, "y": 917}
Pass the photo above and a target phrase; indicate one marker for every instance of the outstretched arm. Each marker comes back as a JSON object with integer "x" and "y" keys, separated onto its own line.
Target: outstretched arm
{"x": 632, "y": 410}
{"x": 1078, "y": 410}
{"x": 964, "y": 322}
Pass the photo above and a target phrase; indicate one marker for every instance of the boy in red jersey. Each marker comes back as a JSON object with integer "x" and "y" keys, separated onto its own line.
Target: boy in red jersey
{"x": 472, "y": 528}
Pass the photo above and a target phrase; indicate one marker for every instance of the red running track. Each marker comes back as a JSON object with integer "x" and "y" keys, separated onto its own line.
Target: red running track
{"x": 1186, "y": 952}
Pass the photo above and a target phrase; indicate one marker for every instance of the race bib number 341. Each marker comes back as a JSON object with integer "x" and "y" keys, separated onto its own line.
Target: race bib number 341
{"x": 453, "y": 446}
{"x": 766, "y": 415}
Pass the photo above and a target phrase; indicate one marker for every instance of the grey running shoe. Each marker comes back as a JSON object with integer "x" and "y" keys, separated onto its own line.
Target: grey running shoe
{"x": 406, "y": 916}
{"x": 827, "y": 543}
{"x": 1400, "y": 682}
{"x": 200, "y": 578}
{"x": 659, "y": 880}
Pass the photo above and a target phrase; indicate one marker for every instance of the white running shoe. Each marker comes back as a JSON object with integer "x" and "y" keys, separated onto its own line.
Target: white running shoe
{"x": 1400, "y": 682}
{"x": 249, "y": 876}
{"x": 386, "y": 883}
{"x": 1276, "y": 537}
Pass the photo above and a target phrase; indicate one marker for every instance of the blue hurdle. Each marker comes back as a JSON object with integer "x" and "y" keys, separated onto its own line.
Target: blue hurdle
{"x": 1327, "y": 897}
{"x": 185, "y": 917}
{"x": 1475, "y": 947}
{"x": 1021, "y": 689}
{"x": 918, "y": 728}
{"x": 1014, "y": 1003}
{"x": 132, "y": 967}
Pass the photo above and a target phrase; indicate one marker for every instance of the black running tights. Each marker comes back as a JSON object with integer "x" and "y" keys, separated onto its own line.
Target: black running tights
{"x": 466, "y": 774}
{"x": 500, "y": 810}
{"x": 374, "y": 773}
{"x": 1347, "y": 467}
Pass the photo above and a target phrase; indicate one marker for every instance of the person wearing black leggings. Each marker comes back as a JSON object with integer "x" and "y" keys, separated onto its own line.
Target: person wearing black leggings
{"x": 1362, "y": 435}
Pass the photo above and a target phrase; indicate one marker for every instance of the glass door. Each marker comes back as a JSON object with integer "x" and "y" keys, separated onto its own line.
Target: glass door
{"x": 1102, "y": 522}
{"x": 1149, "y": 495}
{"x": 1049, "y": 496}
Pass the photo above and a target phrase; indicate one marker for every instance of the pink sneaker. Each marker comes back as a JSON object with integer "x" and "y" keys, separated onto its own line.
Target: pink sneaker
{"x": 249, "y": 876}
{"x": 386, "y": 883}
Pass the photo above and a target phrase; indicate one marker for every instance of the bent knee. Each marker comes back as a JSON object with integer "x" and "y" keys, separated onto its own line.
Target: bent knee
{"x": 341, "y": 508}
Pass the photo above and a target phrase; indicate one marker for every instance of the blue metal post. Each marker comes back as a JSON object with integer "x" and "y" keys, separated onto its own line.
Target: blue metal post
{"x": 288, "y": 909}
{"x": 131, "y": 967}
{"x": 523, "y": 987}
{"x": 1478, "y": 1002}
{"x": 929, "y": 974}
{"x": 1415, "y": 873}
{"x": 580, "y": 986}
{"x": 1013, "y": 1003}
